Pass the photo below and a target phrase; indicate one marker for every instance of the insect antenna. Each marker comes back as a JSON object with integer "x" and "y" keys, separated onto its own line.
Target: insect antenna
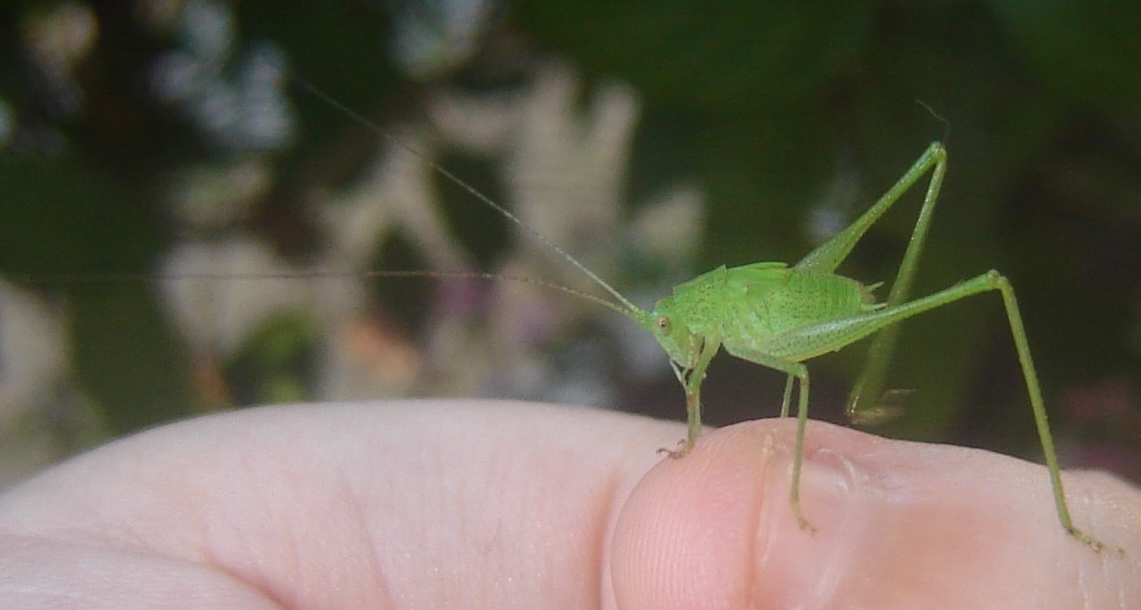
{"x": 624, "y": 306}
{"x": 110, "y": 278}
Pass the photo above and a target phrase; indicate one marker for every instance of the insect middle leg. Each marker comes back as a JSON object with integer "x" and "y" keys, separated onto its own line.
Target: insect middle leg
{"x": 798, "y": 372}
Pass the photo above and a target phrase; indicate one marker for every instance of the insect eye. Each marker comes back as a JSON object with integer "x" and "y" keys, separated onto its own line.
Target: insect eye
{"x": 663, "y": 324}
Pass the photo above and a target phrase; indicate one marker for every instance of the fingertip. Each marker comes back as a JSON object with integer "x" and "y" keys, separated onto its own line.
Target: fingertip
{"x": 717, "y": 529}
{"x": 684, "y": 535}
{"x": 897, "y": 524}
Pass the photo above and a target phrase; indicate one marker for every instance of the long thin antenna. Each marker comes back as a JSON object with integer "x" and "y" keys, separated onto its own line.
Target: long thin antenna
{"x": 104, "y": 278}
{"x": 938, "y": 117}
{"x": 631, "y": 310}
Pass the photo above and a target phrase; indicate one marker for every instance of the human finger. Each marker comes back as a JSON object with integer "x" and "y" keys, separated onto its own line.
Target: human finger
{"x": 898, "y": 525}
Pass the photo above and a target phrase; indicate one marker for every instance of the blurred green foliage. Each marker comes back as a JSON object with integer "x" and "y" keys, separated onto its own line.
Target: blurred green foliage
{"x": 765, "y": 104}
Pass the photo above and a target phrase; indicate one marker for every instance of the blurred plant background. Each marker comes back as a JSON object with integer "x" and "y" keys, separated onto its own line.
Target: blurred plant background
{"x": 185, "y": 226}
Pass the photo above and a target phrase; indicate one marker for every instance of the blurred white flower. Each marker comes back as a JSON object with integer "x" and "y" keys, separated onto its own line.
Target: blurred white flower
{"x": 564, "y": 170}
{"x": 434, "y": 36}
{"x": 245, "y": 112}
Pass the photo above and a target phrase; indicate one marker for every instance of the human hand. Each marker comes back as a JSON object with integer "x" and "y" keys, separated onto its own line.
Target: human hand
{"x": 460, "y": 504}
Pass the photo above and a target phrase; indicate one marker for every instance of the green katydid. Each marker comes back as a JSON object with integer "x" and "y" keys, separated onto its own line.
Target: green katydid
{"x": 779, "y": 316}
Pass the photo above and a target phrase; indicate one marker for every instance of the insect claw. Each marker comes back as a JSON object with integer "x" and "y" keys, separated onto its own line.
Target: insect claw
{"x": 796, "y": 509}
{"x": 804, "y": 524}
{"x": 1085, "y": 539}
{"x": 683, "y": 448}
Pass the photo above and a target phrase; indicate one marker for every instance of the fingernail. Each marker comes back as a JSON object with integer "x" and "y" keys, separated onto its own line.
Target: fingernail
{"x": 798, "y": 565}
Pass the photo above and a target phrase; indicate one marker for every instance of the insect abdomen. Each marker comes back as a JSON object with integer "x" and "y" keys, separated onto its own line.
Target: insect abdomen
{"x": 796, "y": 300}
{"x": 811, "y": 298}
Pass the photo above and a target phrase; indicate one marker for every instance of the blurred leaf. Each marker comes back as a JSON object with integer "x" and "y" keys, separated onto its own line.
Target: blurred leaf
{"x": 1088, "y": 50}
{"x": 711, "y": 55}
{"x": 63, "y": 219}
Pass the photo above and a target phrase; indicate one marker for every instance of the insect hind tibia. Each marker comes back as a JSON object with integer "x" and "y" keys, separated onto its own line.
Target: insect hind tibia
{"x": 888, "y": 408}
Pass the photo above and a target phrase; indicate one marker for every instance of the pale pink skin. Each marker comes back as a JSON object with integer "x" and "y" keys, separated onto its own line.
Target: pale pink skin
{"x": 459, "y": 504}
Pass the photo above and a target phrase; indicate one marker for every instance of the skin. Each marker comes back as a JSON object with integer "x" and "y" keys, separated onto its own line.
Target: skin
{"x": 513, "y": 505}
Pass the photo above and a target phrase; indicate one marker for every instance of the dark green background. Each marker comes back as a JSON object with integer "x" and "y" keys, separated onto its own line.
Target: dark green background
{"x": 757, "y": 102}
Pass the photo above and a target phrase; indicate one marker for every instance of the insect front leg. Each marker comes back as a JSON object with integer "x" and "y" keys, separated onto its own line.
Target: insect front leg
{"x": 691, "y": 379}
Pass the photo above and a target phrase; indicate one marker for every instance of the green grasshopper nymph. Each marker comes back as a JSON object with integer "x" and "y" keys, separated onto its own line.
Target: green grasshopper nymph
{"x": 779, "y": 316}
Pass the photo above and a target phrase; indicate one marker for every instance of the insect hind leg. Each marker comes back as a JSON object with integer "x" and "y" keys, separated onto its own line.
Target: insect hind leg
{"x": 809, "y": 341}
